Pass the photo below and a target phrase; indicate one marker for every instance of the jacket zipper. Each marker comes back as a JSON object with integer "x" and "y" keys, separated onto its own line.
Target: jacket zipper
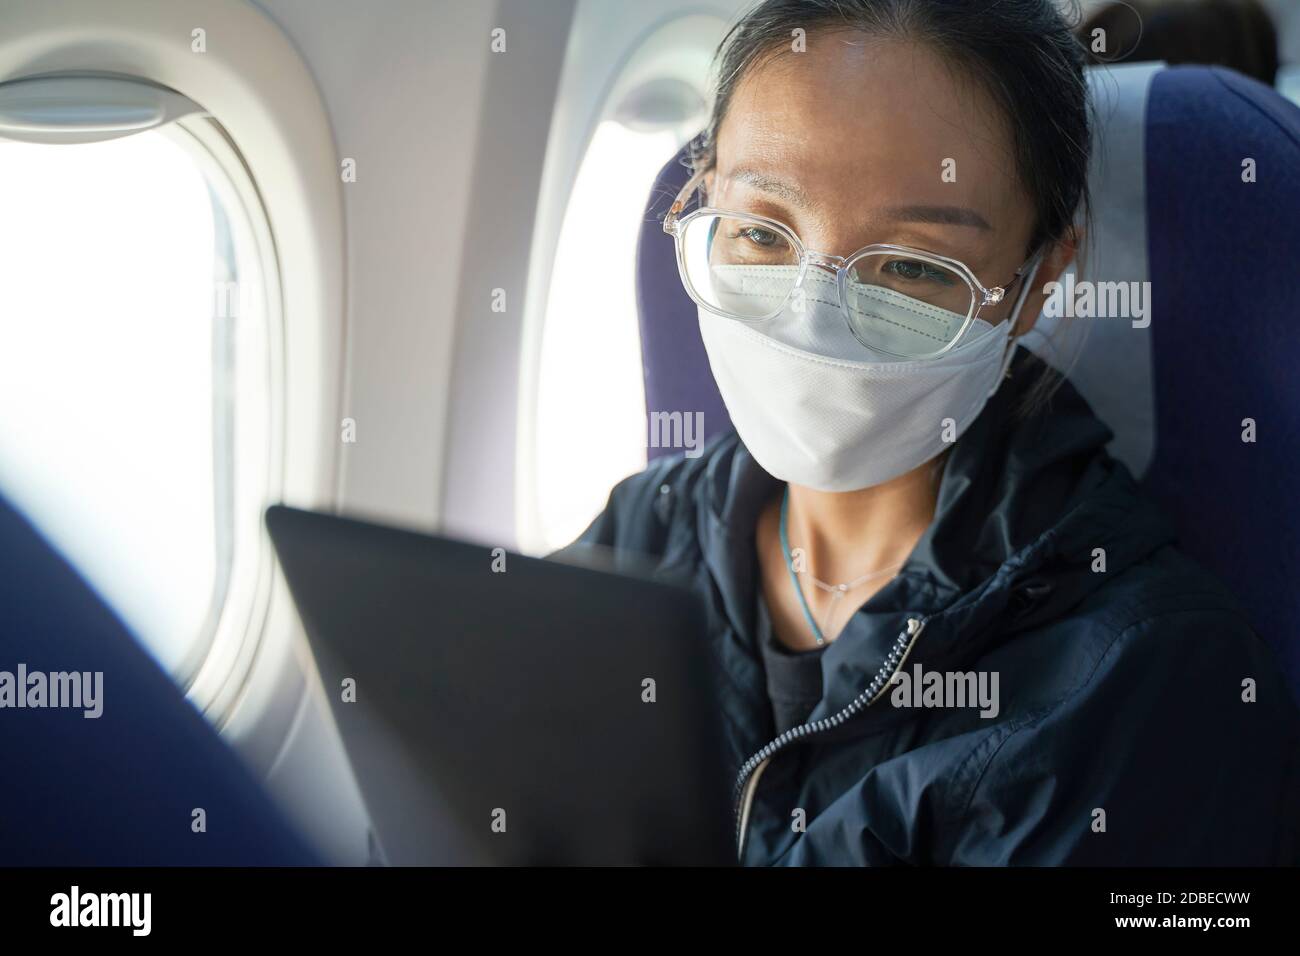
{"x": 747, "y": 779}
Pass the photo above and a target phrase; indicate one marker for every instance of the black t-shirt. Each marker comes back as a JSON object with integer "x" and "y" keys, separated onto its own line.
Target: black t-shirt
{"x": 794, "y": 678}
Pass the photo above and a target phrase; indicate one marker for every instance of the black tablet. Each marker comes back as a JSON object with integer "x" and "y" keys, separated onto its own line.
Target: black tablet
{"x": 505, "y": 709}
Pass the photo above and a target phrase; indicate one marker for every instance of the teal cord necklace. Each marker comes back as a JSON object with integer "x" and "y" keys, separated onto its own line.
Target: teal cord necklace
{"x": 836, "y": 591}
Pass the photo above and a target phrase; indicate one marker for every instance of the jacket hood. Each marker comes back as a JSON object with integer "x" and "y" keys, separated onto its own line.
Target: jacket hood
{"x": 1030, "y": 511}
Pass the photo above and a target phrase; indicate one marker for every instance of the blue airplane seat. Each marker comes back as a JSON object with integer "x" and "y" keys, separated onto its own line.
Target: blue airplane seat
{"x": 119, "y": 789}
{"x": 1226, "y": 320}
{"x": 1173, "y": 207}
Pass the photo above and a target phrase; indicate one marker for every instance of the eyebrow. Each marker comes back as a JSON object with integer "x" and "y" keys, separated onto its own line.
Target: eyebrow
{"x": 931, "y": 215}
{"x": 769, "y": 184}
{"x": 939, "y": 216}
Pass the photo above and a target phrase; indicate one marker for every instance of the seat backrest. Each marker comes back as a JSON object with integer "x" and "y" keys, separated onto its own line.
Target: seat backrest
{"x": 1223, "y": 234}
{"x": 120, "y": 788}
{"x": 673, "y": 360}
{"x": 1196, "y": 199}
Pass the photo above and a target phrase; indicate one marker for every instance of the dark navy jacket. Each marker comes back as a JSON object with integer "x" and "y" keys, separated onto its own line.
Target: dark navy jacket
{"x": 1123, "y": 735}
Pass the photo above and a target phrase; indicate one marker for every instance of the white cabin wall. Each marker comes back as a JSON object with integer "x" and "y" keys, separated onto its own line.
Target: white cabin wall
{"x": 403, "y": 82}
{"x": 403, "y": 93}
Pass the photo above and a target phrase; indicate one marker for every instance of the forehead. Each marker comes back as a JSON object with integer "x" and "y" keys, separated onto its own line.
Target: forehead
{"x": 870, "y": 122}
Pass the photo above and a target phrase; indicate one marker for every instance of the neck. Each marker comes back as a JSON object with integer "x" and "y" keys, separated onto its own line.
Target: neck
{"x": 846, "y": 534}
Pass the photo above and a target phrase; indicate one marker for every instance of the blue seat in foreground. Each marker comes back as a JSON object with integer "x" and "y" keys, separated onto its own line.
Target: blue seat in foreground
{"x": 119, "y": 789}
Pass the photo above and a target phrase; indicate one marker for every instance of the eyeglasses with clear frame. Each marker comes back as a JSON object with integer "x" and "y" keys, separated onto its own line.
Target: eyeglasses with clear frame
{"x": 895, "y": 299}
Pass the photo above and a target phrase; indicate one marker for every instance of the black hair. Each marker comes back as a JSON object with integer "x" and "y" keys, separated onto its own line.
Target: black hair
{"x": 1022, "y": 51}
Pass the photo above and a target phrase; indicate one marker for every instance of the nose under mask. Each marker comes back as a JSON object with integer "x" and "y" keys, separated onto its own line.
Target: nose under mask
{"x": 815, "y": 407}
{"x": 894, "y": 322}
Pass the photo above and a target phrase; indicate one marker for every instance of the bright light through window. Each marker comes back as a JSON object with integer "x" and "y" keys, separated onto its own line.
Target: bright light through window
{"x": 591, "y": 425}
{"x": 106, "y": 372}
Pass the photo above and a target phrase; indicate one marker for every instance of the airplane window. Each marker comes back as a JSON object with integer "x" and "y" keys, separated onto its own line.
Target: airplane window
{"x": 591, "y": 426}
{"x": 123, "y": 331}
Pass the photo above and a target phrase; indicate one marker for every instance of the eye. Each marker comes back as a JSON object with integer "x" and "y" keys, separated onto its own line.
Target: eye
{"x": 915, "y": 270}
{"x": 763, "y": 238}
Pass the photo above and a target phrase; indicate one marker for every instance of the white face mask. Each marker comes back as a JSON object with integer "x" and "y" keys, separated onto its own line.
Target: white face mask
{"x": 817, "y": 408}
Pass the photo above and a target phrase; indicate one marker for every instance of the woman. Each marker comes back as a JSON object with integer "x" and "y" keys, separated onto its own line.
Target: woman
{"x": 950, "y": 630}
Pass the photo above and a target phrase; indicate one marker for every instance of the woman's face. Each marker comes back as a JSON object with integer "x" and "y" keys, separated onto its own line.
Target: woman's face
{"x": 848, "y": 145}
